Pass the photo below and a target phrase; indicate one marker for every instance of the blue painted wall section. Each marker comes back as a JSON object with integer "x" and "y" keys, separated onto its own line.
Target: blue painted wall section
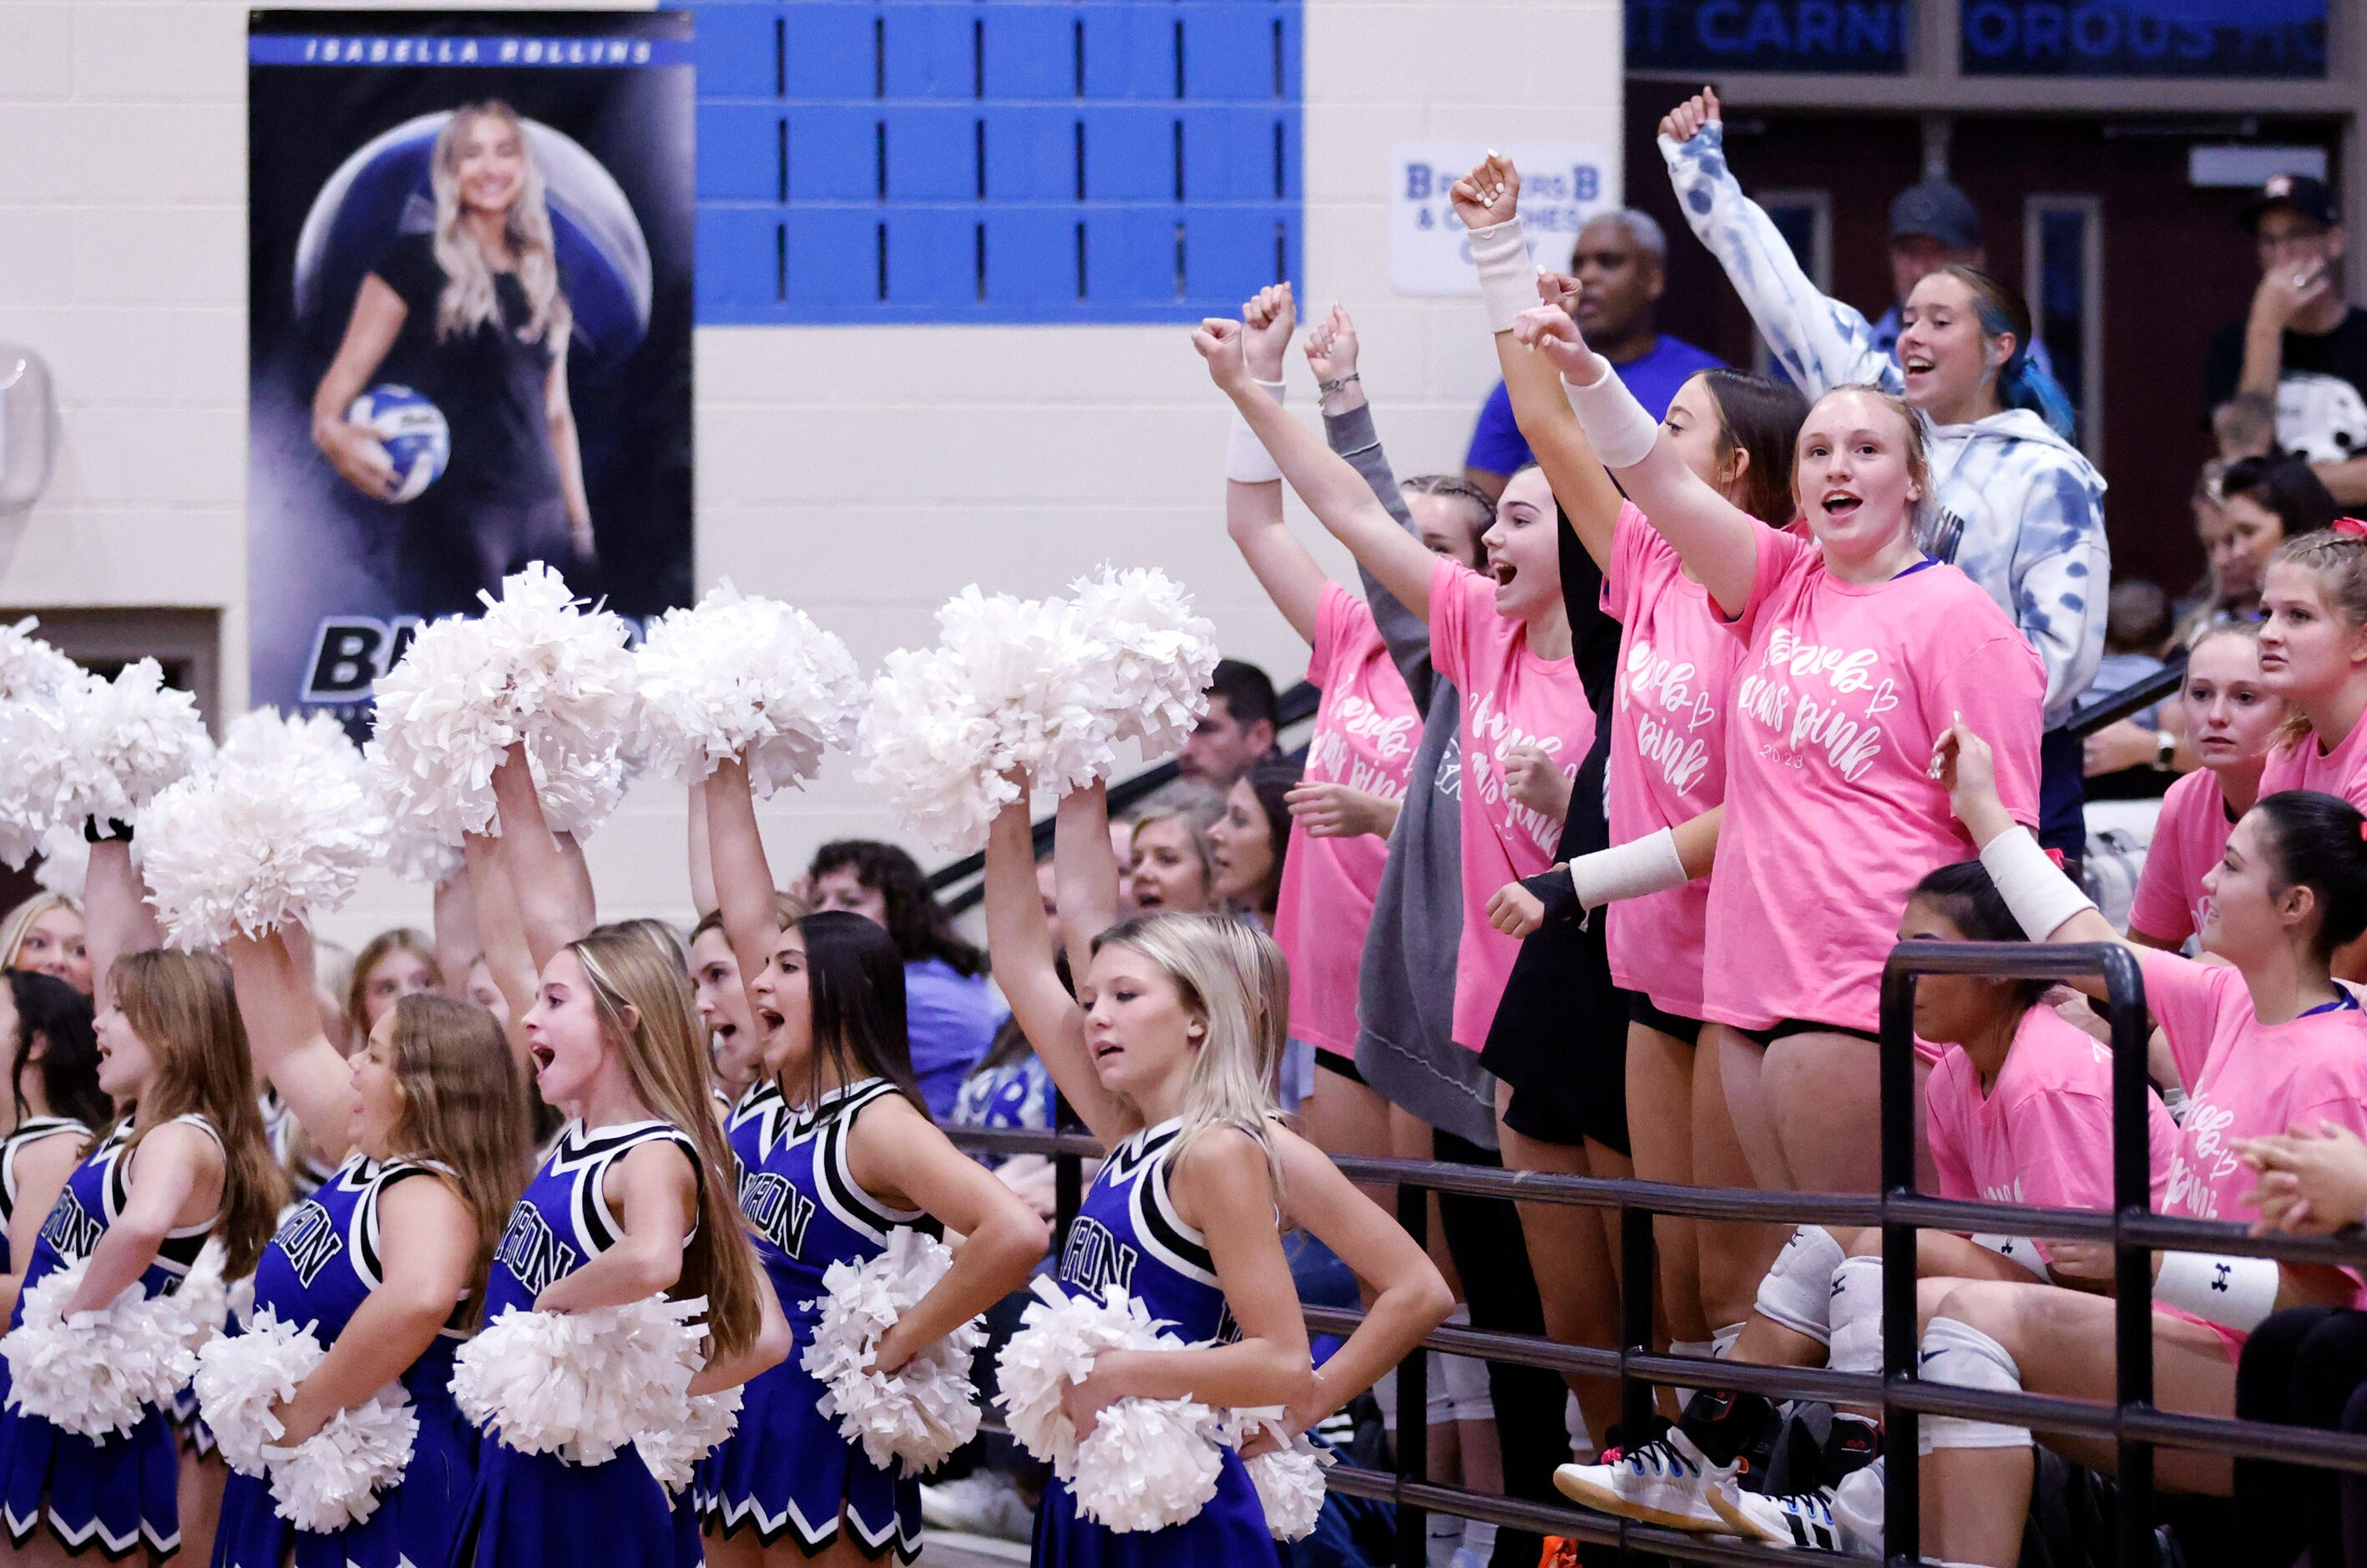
{"x": 998, "y": 160}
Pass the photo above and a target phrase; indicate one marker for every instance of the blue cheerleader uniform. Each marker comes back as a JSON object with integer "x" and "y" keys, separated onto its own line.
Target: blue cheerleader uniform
{"x": 1128, "y": 1234}
{"x": 786, "y": 1471}
{"x": 121, "y": 1492}
{"x": 538, "y": 1510}
{"x": 320, "y": 1267}
{"x": 31, "y": 1130}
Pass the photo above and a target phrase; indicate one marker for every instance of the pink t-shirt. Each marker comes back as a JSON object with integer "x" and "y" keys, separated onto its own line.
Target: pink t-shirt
{"x": 1831, "y": 813}
{"x": 1509, "y": 695}
{"x": 1668, "y": 750}
{"x": 2043, "y": 1135}
{"x": 2245, "y": 1079}
{"x": 2188, "y": 840}
{"x": 2303, "y": 764}
{"x": 1365, "y": 730}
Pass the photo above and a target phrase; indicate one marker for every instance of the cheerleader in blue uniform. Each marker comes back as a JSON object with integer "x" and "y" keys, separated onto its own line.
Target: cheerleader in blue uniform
{"x": 838, "y": 1156}
{"x": 187, "y": 1161}
{"x": 1184, "y": 1214}
{"x": 58, "y": 1105}
{"x": 634, "y": 1198}
{"x": 387, "y": 1258}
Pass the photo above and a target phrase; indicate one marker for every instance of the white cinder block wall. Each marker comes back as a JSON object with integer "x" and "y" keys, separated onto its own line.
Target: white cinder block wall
{"x": 863, "y": 474}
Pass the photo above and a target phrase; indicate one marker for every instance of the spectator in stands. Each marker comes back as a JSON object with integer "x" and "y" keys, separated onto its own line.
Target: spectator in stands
{"x": 950, "y": 1009}
{"x": 1932, "y": 225}
{"x": 2136, "y": 631}
{"x": 1621, "y": 263}
{"x": 2301, "y": 345}
{"x": 1237, "y": 731}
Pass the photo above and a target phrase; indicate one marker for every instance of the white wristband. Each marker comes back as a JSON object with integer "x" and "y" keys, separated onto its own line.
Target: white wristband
{"x": 2234, "y": 1292}
{"x": 1246, "y": 459}
{"x": 1640, "y": 866}
{"x": 1616, "y": 425}
{"x": 2033, "y": 886}
{"x": 1508, "y": 279}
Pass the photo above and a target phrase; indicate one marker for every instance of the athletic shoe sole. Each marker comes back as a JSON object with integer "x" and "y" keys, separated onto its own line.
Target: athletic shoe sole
{"x": 1739, "y": 1520}
{"x": 1572, "y": 1482}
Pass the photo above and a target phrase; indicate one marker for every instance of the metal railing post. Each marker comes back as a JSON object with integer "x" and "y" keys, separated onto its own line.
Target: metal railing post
{"x": 1637, "y": 1269}
{"x": 1902, "y": 1490}
{"x": 2132, "y": 1265}
{"x": 1413, "y": 1406}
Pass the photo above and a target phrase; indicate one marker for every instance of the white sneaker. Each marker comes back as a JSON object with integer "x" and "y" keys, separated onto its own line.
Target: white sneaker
{"x": 1667, "y": 1481}
{"x": 1801, "y": 1519}
{"x": 987, "y": 1503}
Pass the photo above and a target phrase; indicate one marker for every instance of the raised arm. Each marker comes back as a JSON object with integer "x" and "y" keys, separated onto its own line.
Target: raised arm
{"x": 507, "y": 958}
{"x": 1084, "y": 872}
{"x": 1820, "y": 342}
{"x": 458, "y": 941}
{"x": 115, "y": 916}
{"x": 548, "y": 886}
{"x": 702, "y": 858}
{"x": 1334, "y": 491}
{"x": 1718, "y": 540}
{"x": 283, "y": 1029}
{"x": 742, "y": 876}
{"x": 1332, "y": 354}
{"x": 1253, "y": 488}
{"x": 1488, "y": 200}
{"x": 1021, "y": 941}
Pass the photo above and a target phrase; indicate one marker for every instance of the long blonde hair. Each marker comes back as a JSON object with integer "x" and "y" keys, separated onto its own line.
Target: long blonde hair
{"x": 1232, "y": 978}
{"x": 18, "y": 923}
{"x": 464, "y": 1107}
{"x": 468, "y": 300}
{"x": 644, "y": 1005}
{"x": 181, "y": 1007}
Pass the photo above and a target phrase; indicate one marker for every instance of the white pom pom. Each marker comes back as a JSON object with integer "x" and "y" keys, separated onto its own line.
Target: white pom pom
{"x": 744, "y": 677}
{"x": 925, "y": 741}
{"x": 1289, "y": 1480}
{"x": 1059, "y": 1334}
{"x": 673, "y": 1451}
{"x": 929, "y": 1408}
{"x": 240, "y": 1378}
{"x": 125, "y": 740}
{"x": 1148, "y": 1464}
{"x": 276, "y": 832}
{"x": 30, "y": 668}
{"x": 96, "y": 1376}
{"x": 65, "y": 861}
{"x": 335, "y": 1477}
{"x": 415, "y": 848}
{"x": 1155, "y": 682}
{"x": 535, "y": 668}
{"x": 1030, "y": 665}
{"x": 582, "y": 1385}
{"x": 203, "y": 1299}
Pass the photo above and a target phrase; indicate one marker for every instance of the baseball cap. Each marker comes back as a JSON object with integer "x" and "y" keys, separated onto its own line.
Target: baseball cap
{"x": 2302, "y": 193}
{"x": 1935, "y": 207}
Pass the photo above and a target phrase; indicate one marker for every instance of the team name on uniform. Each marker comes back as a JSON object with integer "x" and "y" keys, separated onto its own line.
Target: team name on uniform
{"x": 777, "y": 1210}
{"x": 532, "y": 1252}
{"x": 309, "y": 1239}
{"x": 1096, "y": 1259}
{"x": 72, "y": 1230}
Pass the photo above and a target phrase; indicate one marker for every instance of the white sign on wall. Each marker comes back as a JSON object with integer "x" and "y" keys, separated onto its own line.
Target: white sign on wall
{"x": 1563, "y": 184}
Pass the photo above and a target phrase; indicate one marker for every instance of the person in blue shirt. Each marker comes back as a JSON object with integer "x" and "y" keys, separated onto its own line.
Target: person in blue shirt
{"x": 951, "y": 1010}
{"x": 1620, "y": 263}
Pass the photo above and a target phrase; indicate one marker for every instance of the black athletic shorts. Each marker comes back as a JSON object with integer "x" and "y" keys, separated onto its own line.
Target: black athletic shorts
{"x": 1337, "y": 1061}
{"x": 1782, "y": 1026}
{"x": 1641, "y": 1009}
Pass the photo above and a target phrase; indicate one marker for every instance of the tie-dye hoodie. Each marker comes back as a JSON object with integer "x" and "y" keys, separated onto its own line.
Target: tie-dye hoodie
{"x": 2019, "y": 508}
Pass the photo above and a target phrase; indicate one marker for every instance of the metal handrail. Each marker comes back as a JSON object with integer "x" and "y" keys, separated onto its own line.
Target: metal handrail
{"x": 2130, "y": 1422}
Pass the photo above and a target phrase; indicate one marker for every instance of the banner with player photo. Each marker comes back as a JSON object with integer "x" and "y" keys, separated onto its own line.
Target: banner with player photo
{"x": 469, "y": 339}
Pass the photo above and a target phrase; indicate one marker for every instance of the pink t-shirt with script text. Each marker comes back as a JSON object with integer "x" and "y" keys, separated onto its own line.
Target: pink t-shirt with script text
{"x": 1365, "y": 731}
{"x": 1509, "y": 695}
{"x": 2189, "y": 838}
{"x": 1831, "y": 813}
{"x": 2042, "y": 1133}
{"x": 1668, "y": 750}
{"x": 2302, "y": 763}
{"x": 2245, "y": 1078}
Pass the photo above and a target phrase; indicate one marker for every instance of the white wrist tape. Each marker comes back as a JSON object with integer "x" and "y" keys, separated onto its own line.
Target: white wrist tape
{"x": 2033, "y": 886}
{"x": 1508, "y": 278}
{"x": 1246, "y": 459}
{"x": 2234, "y": 1292}
{"x": 1640, "y": 866}
{"x": 1616, "y": 425}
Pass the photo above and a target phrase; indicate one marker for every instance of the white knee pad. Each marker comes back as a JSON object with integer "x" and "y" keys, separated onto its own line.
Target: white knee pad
{"x": 1961, "y": 1355}
{"x": 1467, "y": 1389}
{"x": 1856, "y": 1344}
{"x": 1797, "y": 1293}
